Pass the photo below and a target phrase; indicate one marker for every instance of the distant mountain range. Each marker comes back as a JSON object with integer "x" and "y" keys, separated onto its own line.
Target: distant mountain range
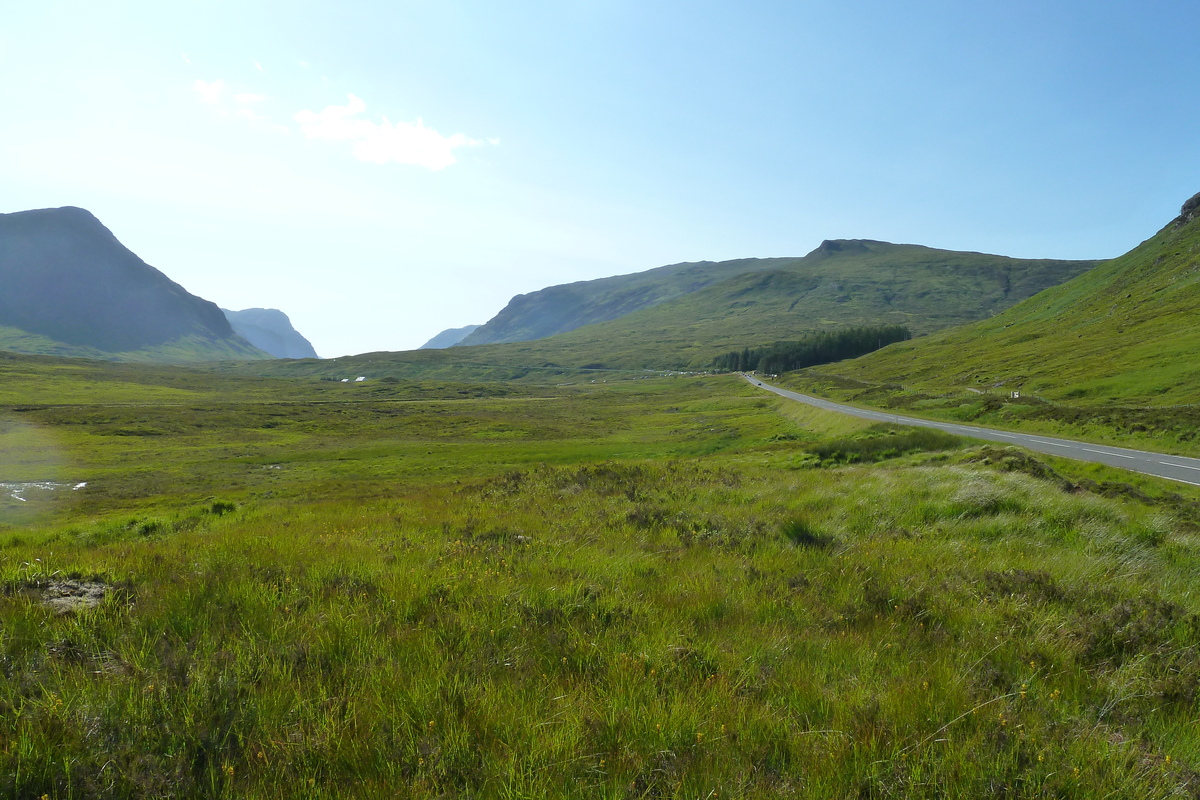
{"x": 712, "y": 308}
{"x": 270, "y": 330}
{"x": 449, "y": 338}
{"x": 71, "y": 289}
{"x": 685, "y": 314}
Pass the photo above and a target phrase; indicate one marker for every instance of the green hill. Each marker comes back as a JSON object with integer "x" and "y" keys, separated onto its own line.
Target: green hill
{"x": 684, "y": 314}
{"x": 1123, "y": 332}
{"x": 839, "y": 284}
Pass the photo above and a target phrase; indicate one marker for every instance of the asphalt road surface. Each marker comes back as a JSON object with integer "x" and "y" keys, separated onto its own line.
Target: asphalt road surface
{"x": 1175, "y": 468}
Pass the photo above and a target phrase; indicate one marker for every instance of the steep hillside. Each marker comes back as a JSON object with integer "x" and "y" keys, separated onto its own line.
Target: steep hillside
{"x": 70, "y": 288}
{"x": 1126, "y": 331}
{"x": 270, "y": 330}
{"x": 558, "y": 309}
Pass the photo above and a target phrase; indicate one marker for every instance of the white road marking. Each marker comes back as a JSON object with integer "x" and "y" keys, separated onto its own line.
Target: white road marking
{"x": 1107, "y": 453}
{"x": 1185, "y": 466}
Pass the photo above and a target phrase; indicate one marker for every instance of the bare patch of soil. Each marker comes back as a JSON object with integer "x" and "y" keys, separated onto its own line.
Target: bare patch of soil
{"x": 70, "y": 596}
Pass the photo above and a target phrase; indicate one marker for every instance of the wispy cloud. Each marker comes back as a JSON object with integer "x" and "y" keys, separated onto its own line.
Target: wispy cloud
{"x": 242, "y": 104}
{"x": 384, "y": 142}
{"x": 210, "y": 92}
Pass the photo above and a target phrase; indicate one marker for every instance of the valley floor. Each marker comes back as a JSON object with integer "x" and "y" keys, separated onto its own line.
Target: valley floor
{"x": 670, "y": 588}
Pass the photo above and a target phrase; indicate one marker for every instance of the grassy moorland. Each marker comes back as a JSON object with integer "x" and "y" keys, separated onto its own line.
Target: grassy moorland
{"x": 652, "y": 588}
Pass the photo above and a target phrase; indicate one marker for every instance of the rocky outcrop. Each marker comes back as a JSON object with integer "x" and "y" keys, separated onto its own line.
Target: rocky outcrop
{"x": 1190, "y": 210}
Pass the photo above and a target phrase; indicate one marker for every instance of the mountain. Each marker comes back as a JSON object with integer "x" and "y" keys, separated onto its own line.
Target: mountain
{"x": 691, "y": 311}
{"x": 449, "y": 337}
{"x": 1123, "y": 332}
{"x": 271, "y": 331}
{"x": 559, "y": 309}
{"x": 70, "y": 288}
{"x": 841, "y": 283}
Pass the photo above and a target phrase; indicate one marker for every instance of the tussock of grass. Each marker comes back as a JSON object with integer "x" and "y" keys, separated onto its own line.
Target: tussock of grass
{"x": 634, "y": 629}
{"x": 881, "y": 442}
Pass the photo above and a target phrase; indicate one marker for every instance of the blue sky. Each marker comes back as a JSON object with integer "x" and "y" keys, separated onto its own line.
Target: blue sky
{"x": 383, "y": 170}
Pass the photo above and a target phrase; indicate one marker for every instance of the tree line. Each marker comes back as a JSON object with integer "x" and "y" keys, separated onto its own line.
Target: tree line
{"x": 817, "y": 348}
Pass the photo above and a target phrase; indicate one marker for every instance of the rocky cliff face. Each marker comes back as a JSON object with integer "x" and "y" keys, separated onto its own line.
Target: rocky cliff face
{"x": 270, "y": 330}
{"x": 66, "y": 277}
{"x": 1190, "y": 210}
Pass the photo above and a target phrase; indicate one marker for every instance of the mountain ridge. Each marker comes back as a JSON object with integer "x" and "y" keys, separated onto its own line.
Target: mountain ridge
{"x": 73, "y": 287}
{"x": 565, "y": 307}
{"x": 752, "y": 302}
{"x": 934, "y": 289}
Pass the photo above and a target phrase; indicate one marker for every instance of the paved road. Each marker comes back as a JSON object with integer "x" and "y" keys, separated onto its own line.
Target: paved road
{"x": 1176, "y": 468}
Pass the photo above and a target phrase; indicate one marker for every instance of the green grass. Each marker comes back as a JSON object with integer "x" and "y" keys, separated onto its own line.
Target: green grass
{"x": 881, "y": 442}
{"x": 635, "y": 589}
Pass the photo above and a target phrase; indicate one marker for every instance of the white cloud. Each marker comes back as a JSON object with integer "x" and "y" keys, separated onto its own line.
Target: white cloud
{"x": 383, "y": 142}
{"x": 210, "y": 92}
